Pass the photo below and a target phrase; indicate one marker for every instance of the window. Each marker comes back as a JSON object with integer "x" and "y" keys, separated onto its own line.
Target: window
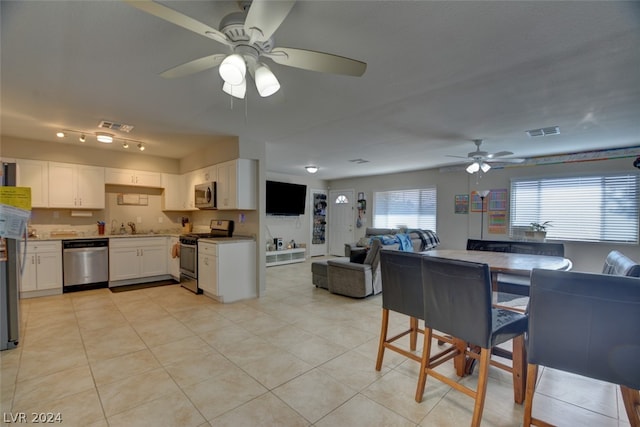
{"x": 600, "y": 208}
{"x": 405, "y": 208}
{"x": 342, "y": 199}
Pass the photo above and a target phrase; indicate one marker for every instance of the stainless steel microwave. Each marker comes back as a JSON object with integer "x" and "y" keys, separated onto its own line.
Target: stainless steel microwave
{"x": 205, "y": 196}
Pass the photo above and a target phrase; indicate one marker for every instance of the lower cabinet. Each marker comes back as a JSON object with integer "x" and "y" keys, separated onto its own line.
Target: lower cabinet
{"x": 42, "y": 274}
{"x": 137, "y": 259}
{"x": 227, "y": 270}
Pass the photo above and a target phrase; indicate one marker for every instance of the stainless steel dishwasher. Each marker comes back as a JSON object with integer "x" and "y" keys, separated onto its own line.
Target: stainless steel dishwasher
{"x": 85, "y": 264}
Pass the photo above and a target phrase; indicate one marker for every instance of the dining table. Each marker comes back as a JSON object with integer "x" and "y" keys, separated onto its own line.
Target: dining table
{"x": 506, "y": 263}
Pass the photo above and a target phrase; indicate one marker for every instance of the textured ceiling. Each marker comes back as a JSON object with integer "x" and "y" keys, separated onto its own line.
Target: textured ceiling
{"x": 439, "y": 74}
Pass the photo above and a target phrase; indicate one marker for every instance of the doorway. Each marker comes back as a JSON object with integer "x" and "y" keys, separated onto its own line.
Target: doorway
{"x": 341, "y": 204}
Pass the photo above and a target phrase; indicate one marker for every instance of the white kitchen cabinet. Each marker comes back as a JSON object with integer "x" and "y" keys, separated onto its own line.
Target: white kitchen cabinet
{"x": 132, "y": 177}
{"x": 137, "y": 259}
{"x": 227, "y": 269}
{"x": 42, "y": 274}
{"x": 175, "y": 195}
{"x": 76, "y": 186}
{"x": 237, "y": 184}
{"x": 34, "y": 174}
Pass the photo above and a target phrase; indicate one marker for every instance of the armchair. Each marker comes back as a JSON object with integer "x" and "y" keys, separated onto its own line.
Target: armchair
{"x": 356, "y": 280}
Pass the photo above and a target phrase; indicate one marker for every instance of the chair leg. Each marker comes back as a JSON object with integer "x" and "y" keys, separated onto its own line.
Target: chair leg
{"x": 631, "y": 399}
{"x": 481, "y": 391}
{"x": 383, "y": 337}
{"x": 532, "y": 378}
{"x": 424, "y": 364}
{"x": 518, "y": 368}
{"x": 413, "y": 338}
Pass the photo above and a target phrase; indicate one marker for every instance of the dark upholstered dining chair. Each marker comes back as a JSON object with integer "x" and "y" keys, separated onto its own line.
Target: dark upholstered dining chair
{"x": 402, "y": 293}
{"x": 587, "y": 324}
{"x": 457, "y": 302}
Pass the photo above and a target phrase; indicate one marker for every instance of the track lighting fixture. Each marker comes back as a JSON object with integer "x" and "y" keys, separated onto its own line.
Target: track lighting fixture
{"x": 102, "y": 137}
{"x": 105, "y": 138}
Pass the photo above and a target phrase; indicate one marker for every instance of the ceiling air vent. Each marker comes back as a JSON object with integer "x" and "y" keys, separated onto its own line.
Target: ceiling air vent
{"x": 105, "y": 124}
{"x": 359, "y": 161}
{"x": 552, "y": 130}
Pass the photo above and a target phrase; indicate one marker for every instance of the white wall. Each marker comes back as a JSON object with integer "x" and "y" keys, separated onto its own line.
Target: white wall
{"x": 297, "y": 228}
{"x": 455, "y": 229}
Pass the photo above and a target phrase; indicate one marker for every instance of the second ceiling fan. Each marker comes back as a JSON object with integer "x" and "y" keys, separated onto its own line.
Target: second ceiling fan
{"x": 480, "y": 160}
{"x": 248, "y": 34}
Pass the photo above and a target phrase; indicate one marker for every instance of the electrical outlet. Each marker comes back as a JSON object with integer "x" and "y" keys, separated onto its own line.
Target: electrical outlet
{"x": 56, "y": 214}
{"x": 139, "y": 220}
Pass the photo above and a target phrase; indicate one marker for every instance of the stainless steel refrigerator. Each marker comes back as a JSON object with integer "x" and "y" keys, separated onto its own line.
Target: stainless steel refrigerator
{"x": 9, "y": 277}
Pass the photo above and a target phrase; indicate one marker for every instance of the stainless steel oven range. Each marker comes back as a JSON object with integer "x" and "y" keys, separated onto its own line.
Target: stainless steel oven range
{"x": 220, "y": 228}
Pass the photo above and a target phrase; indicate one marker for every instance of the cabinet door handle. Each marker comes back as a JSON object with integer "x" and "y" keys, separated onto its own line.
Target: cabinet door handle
{"x": 38, "y": 259}
{"x": 33, "y": 259}
{"x": 141, "y": 252}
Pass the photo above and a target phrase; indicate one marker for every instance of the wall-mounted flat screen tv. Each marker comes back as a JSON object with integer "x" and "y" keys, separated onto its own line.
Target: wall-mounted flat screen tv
{"x": 284, "y": 198}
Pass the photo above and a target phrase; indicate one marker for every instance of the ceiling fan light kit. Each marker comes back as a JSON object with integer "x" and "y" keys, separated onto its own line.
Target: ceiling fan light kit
{"x": 237, "y": 91}
{"x": 266, "y": 82}
{"x": 480, "y": 159}
{"x": 233, "y": 69}
{"x": 249, "y": 35}
{"x": 311, "y": 169}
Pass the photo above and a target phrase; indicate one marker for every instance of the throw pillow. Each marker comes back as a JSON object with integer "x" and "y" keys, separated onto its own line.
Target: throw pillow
{"x": 364, "y": 242}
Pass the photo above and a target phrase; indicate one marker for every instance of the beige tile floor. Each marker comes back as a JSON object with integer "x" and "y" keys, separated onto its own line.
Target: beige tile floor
{"x": 298, "y": 356}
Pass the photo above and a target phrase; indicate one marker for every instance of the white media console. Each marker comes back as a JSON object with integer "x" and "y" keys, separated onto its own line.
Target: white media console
{"x": 285, "y": 256}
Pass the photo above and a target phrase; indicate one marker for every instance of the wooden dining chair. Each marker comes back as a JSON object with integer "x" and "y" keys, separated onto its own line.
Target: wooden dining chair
{"x": 457, "y": 302}
{"x": 402, "y": 293}
{"x": 587, "y": 324}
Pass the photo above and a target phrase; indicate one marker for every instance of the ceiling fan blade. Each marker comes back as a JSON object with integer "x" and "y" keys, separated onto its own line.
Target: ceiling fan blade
{"x": 457, "y": 157}
{"x": 264, "y": 18}
{"x": 317, "y": 61}
{"x": 500, "y": 154}
{"x": 194, "y": 66}
{"x": 514, "y": 160}
{"x": 177, "y": 18}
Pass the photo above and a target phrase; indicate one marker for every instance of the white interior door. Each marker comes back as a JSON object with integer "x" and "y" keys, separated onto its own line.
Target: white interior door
{"x": 341, "y": 220}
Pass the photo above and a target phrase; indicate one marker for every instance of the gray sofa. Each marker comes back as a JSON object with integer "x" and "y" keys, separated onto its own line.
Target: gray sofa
{"x": 421, "y": 240}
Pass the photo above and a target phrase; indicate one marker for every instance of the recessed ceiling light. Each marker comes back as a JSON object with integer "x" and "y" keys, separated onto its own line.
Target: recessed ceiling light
{"x": 104, "y": 138}
{"x": 82, "y": 138}
{"x": 311, "y": 169}
{"x": 140, "y": 146}
{"x": 60, "y": 134}
{"x": 125, "y": 145}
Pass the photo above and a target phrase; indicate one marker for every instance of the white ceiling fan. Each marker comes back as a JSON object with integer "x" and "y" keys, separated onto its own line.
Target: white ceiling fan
{"x": 248, "y": 34}
{"x": 480, "y": 160}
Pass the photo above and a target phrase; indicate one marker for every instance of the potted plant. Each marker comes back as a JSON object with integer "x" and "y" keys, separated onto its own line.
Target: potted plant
{"x": 538, "y": 231}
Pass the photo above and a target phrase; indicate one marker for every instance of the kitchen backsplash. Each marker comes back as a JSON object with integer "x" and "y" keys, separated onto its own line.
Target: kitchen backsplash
{"x": 147, "y": 215}
{"x": 143, "y": 207}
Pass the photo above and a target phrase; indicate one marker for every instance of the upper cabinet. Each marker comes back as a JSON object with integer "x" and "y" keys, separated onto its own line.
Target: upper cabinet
{"x": 237, "y": 184}
{"x": 34, "y": 174}
{"x": 132, "y": 177}
{"x": 76, "y": 186}
{"x": 175, "y": 197}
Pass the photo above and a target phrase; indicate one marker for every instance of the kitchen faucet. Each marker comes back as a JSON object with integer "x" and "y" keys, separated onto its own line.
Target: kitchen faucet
{"x": 133, "y": 227}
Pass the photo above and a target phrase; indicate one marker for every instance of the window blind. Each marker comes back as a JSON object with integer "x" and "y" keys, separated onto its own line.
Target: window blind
{"x": 405, "y": 208}
{"x": 602, "y": 208}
